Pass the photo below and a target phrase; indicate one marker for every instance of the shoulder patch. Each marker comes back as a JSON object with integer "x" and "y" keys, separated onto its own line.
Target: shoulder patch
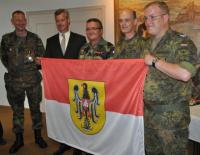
{"x": 182, "y": 35}
{"x": 184, "y": 45}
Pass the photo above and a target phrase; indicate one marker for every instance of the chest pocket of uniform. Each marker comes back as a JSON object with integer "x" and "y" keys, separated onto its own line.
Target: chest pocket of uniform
{"x": 12, "y": 52}
{"x": 166, "y": 55}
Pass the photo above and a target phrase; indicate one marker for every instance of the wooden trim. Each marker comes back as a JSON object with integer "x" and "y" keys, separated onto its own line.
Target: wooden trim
{"x": 116, "y": 20}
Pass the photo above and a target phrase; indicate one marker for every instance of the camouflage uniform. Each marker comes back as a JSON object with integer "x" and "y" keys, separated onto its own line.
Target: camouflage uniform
{"x": 18, "y": 56}
{"x": 103, "y": 50}
{"x": 166, "y": 110}
{"x": 126, "y": 49}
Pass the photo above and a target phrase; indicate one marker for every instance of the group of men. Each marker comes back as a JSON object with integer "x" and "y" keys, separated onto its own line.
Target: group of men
{"x": 170, "y": 56}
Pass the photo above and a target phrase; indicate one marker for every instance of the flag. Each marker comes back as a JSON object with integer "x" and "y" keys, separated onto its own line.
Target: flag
{"x": 96, "y": 105}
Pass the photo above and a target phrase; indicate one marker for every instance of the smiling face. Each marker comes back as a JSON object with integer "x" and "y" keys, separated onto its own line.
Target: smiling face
{"x": 156, "y": 20}
{"x": 127, "y": 22}
{"x": 93, "y": 31}
{"x": 62, "y": 22}
{"x": 19, "y": 22}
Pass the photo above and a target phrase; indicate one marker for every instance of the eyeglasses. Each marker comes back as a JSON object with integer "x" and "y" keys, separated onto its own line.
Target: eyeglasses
{"x": 92, "y": 28}
{"x": 152, "y": 18}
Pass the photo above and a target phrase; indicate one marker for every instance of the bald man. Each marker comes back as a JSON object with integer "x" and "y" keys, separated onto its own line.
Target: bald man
{"x": 129, "y": 44}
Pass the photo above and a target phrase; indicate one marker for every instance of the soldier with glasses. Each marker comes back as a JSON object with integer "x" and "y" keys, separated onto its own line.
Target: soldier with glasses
{"x": 171, "y": 58}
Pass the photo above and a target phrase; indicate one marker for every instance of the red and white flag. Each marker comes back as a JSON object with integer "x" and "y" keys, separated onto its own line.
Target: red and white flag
{"x": 96, "y": 105}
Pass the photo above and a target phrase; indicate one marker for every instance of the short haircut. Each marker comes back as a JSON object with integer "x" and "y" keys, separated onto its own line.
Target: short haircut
{"x": 162, "y": 5}
{"x": 17, "y": 12}
{"x": 96, "y": 20}
{"x": 59, "y": 11}
{"x": 133, "y": 12}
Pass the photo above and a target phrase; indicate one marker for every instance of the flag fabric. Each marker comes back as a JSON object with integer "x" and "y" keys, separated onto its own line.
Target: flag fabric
{"x": 96, "y": 105}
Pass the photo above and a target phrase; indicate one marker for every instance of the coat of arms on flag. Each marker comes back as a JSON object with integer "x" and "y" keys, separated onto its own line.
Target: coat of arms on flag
{"x": 87, "y": 105}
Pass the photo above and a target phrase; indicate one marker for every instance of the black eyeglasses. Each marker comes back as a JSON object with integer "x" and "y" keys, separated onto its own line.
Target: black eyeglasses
{"x": 152, "y": 18}
{"x": 92, "y": 28}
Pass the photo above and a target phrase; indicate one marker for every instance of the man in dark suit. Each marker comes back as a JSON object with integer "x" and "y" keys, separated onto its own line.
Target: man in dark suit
{"x": 73, "y": 41}
{"x": 66, "y": 45}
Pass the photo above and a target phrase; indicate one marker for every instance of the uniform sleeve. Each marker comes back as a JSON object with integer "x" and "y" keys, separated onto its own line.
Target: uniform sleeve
{"x": 111, "y": 51}
{"x": 187, "y": 55}
{"x": 117, "y": 51}
{"x": 82, "y": 52}
{"x": 3, "y": 55}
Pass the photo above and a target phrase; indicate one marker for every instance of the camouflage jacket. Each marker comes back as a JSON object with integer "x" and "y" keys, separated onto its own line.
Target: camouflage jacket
{"x": 126, "y": 49}
{"x": 18, "y": 54}
{"x": 103, "y": 50}
{"x": 166, "y": 99}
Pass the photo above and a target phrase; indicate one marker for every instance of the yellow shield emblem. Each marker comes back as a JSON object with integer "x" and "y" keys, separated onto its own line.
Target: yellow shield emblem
{"x": 87, "y": 105}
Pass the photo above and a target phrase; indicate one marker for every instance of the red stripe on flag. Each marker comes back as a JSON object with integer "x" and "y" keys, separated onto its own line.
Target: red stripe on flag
{"x": 124, "y": 81}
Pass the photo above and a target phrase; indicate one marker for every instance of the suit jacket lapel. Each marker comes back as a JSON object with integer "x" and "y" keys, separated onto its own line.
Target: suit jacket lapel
{"x": 69, "y": 45}
{"x": 57, "y": 44}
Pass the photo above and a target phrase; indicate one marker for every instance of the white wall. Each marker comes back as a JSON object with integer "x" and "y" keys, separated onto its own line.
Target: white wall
{"x": 8, "y": 6}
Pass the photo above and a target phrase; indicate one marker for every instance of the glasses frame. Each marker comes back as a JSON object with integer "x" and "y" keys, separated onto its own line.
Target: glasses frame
{"x": 152, "y": 17}
{"x": 93, "y": 28}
